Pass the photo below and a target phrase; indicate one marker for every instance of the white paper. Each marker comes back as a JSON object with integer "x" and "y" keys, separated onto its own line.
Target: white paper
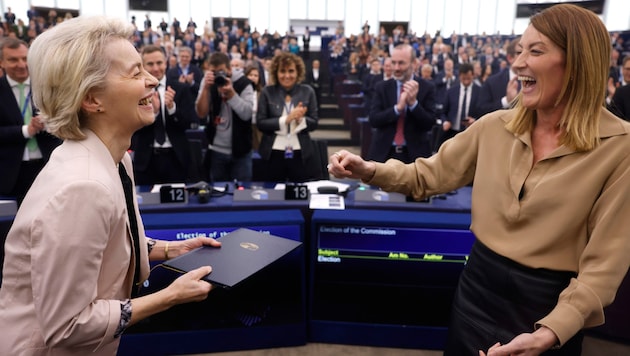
{"x": 312, "y": 186}
{"x": 156, "y": 187}
{"x": 327, "y": 201}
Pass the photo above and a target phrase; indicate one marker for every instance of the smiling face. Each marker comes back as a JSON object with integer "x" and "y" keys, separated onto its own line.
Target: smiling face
{"x": 14, "y": 63}
{"x": 155, "y": 63}
{"x": 287, "y": 75}
{"x": 401, "y": 62}
{"x": 540, "y": 66}
{"x": 126, "y": 97}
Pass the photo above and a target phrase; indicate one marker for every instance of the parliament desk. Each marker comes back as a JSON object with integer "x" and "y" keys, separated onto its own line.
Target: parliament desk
{"x": 380, "y": 272}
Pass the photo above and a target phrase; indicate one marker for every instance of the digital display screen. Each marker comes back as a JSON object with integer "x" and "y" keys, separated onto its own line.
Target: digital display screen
{"x": 386, "y": 274}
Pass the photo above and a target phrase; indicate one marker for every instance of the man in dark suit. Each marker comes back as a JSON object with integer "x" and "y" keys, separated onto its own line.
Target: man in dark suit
{"x": 185, "y": 72}
{"x": 306, "y": 42}
{"x": 25, "y": 146}
{"x": 314, "y": 79}
{"x": 161, "y": 150}
{"x": 402, "y": 112}
{"x": 444, "y": 81}
{"x": 460, "y": 105}
{"x": 500, "y": 89}
{"x": 618, "y": 98}
{"x": 621, "y": 102}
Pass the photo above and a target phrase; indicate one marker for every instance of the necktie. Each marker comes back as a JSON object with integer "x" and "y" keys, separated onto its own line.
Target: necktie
{"x": 133, "y": 225}
{"x": 399, "y": 138}
{"x": 159, "y": 131}
{"x": 27, "y": 115}
{"x": 463, "y": 113}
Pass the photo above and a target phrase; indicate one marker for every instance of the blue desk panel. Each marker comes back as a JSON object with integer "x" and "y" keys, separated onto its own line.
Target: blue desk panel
{"x": 385, "y": 277}
{"x": 267, "y": 310}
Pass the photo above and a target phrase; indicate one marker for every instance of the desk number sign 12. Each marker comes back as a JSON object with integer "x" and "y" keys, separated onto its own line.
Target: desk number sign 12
{"x": 170, "y": 194}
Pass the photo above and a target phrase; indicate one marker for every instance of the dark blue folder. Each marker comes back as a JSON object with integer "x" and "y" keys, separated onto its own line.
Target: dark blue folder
{"x": 243, "y": 252}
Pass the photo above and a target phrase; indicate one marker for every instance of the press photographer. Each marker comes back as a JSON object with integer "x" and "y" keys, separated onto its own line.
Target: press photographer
{"x": 226, "y": 100}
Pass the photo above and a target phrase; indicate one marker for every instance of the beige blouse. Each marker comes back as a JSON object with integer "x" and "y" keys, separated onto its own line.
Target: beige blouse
{"x": 573, "y": 215}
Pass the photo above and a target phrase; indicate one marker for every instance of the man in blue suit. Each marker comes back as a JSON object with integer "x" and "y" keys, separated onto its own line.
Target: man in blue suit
{"x": 25, "y": 145}
{"x": 402, "y": 112}
{"x": 460, "y": 105}
{"x": 500, "y": 89}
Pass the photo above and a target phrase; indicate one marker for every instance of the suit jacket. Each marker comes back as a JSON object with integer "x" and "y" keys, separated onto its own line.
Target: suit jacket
{"x": 418, "y": 122}
{"x": 270, "y": 108}
{"x": 175, "y": 126}
{"x": 451, "y": 104}
{"x": 172, "y": 75}
{"x": 451, "y": 107}
{"x": 441, "y": 88}
{"x": 69, "y": 257}
{"x": 621, "y": 102}
{"x": 316, "y": 84}
{"x": 493, "y": 90}
{"x": 12, "y": 141}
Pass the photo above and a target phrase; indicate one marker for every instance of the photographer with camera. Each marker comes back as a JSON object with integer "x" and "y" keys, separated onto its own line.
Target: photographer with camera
{"x": 226, "y": 99}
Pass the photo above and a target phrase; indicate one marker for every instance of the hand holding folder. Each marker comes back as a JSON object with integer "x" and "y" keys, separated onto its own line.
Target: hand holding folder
{"x": 243, "y": 253}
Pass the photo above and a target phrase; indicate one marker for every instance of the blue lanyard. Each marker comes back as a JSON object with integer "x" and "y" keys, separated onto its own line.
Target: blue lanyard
{"x": 26, "y": 102}
{"x": 288, "y": 107}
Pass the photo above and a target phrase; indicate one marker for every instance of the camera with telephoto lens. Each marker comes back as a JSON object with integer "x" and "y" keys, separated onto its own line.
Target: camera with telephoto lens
{"x": 220, "y": 78}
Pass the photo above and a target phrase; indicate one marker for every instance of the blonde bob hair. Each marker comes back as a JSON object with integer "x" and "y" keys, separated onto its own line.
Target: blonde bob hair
{"x": 66, "y": 63}
{"x": 586, "y": 44}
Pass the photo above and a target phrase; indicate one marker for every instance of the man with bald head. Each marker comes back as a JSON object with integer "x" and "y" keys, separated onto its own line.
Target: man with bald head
{"x": 402, "y": 112}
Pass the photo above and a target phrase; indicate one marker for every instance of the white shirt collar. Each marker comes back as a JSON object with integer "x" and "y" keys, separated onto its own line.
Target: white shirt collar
{"x": 14, "y": 83}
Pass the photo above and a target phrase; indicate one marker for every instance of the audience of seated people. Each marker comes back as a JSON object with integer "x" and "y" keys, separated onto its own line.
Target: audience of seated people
{"x": 363, "y": 57}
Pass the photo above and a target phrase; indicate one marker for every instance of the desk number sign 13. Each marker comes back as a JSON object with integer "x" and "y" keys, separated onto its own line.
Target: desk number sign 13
{"x": 170, "y": 194}
{"x": 296, "y": 192}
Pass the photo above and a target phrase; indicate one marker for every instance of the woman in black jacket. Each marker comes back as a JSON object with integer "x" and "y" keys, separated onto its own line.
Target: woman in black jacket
{"x": 287, "y": 112}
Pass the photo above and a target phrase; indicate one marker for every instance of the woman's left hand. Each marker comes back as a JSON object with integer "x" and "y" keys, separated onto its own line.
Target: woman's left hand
{"x": 527, "y": 344}
{"x": 181, "y": 247}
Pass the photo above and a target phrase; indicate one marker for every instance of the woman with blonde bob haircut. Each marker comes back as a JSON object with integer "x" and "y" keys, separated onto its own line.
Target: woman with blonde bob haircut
{"x": 551, "y": 181}
{"x": 76, "y": 254}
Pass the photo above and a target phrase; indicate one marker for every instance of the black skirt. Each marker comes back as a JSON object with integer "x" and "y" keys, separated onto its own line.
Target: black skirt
{"x": 498, "y": 299}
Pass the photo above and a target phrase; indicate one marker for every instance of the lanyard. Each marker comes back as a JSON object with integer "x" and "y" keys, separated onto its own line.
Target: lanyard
{"x": 26, "y": 102}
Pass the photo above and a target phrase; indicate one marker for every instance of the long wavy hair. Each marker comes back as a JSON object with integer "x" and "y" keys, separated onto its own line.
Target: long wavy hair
{"x": 586, "y": 44}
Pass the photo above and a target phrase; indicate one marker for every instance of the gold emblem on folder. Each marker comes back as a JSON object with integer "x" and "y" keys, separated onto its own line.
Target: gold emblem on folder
{"x": 249, "y": 246}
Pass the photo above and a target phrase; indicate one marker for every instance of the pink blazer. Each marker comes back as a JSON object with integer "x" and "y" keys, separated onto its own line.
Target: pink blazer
{"x": 69, "y": 257}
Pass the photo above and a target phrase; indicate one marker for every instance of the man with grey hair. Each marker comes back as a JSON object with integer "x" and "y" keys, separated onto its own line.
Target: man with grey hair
{"x": 185, "y": 71}
{"x": 25, "y": 145}
{"x": 402, "y": 112}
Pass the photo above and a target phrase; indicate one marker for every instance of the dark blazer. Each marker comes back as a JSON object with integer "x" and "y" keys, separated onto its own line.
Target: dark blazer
{"x": 418, "y": 122}
{"x": 175, "y": 126}
{"x": 316, "y": 84}
{"x": 367, "y": 87}
{"x": 493, "y": 90}
{"x": 12, "y": 141}
{"x": 270, "y": 106}
{"x": 451, "y": 107}
{"x": 441, "y": 88}
{"x": 620, "y": 105}
{"x": 172, "y": 75}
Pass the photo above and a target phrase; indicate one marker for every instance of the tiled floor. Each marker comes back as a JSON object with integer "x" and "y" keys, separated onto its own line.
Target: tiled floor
{"x": 591, "y": 347}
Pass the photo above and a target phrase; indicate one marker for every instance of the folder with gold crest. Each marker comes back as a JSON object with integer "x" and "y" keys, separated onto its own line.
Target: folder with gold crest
{"x": 243, "y": 253}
